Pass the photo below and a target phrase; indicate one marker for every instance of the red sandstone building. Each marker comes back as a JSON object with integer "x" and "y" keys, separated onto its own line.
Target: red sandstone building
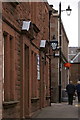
{"x": 74, "y": 58}
{"x": 54, "y": 29}
{"x": 26, "y": 86}
{"x": 26, "y": 66}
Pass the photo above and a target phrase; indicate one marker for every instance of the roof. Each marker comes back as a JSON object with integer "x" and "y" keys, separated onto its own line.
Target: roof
{"x": 74, "y": 54}
{"x": 76, "y": 58}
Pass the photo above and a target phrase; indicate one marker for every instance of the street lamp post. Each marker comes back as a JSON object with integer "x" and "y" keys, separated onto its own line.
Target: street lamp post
{"x": 60, "y": 52}
{"x": 68, "y": 10}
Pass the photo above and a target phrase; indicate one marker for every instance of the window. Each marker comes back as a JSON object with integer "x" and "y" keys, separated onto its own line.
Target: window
{"x": 3, "y": 68}
{"x": 71, "y": 52}
{"x": 9, "y": 68}
{"x": 34, "y": 74}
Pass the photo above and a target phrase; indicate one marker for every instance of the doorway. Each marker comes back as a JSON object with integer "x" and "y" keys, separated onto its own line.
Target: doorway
{"x": 26, "y": 81}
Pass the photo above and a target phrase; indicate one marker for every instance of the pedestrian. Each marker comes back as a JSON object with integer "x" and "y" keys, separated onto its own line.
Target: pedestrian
{"x": 70, "y": 88}
{"x": 78, "y": 90}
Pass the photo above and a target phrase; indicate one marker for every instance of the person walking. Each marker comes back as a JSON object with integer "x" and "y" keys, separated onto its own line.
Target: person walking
{"x": 70, "y": 88}
{"x": 78, "y": 90}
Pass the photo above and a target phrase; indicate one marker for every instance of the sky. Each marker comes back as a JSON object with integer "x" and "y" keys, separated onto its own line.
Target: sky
{"x": 70, "y": 22}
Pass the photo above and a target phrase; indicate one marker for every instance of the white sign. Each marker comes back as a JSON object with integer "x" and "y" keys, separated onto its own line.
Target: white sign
{"x": 43, "y": 43}
{"x": 38, "y": 67}
{"x": 26, "y": 25}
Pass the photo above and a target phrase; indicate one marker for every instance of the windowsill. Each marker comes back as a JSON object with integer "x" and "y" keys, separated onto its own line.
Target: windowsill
{"x": 34, "y": 99}
{"x": 9, "y": 104}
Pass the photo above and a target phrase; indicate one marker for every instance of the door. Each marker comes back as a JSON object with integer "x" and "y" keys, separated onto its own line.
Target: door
{"x": 26, "y": 81}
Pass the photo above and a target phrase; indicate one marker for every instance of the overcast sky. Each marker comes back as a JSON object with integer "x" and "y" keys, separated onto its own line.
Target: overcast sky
{"x": 70, "y": 22}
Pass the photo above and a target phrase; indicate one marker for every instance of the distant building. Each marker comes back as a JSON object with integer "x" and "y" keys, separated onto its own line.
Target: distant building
{"x": 55, "y": 60}
{"x": 74, "y": 58}
{"x": 72, "y": 52}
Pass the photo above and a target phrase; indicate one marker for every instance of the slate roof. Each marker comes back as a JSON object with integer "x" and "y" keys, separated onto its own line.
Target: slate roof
{"x": 74, "y": 54}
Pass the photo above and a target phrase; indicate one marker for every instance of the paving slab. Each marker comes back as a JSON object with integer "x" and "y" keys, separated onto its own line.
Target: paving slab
{"x": 61, "y": 110}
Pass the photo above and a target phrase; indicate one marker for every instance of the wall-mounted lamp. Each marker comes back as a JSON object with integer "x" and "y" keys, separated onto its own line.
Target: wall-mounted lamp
{"x": 54, "y": 43}
{"x": 68, "y": 10}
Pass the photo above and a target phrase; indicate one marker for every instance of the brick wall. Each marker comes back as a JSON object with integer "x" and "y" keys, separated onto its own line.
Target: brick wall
{"x": 74, "y": 72}
{"x": 55, "y": 60}
{"x": 24, "y": 105}
{"x": 65, "y": 42}
{"x": 1, "y": 60}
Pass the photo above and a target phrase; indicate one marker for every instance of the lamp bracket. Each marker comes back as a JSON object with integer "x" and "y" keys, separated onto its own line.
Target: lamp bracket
{"x": 63, "y": 10}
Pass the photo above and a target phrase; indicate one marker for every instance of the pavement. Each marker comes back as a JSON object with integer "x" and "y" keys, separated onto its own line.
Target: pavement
{"x": 61, "y": 110}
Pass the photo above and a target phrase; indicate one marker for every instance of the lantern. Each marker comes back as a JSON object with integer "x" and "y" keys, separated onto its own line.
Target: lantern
{"x": 54, "y": 43}
{"x": 68, "y": 65}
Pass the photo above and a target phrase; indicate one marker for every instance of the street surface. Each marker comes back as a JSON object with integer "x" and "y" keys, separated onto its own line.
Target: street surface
{"x": 61, "y": 110}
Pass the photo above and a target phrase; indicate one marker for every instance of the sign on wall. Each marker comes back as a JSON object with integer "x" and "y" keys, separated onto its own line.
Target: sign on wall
{"x": 38, "y": 67}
